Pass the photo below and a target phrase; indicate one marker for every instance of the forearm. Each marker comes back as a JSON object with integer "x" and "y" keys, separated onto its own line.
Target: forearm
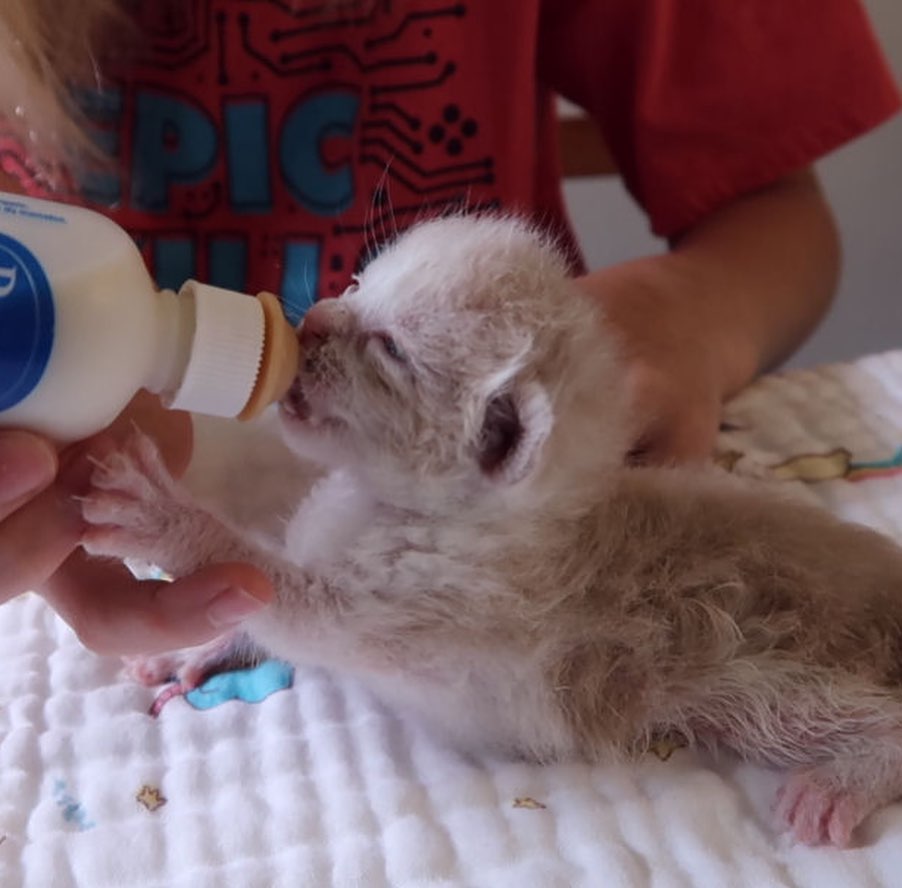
{"x": 733, "y": 297}
{"x": 760, "y": 275}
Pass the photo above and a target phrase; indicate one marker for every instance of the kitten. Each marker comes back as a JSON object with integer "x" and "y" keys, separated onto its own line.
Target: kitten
{"x": 478, "y": 553}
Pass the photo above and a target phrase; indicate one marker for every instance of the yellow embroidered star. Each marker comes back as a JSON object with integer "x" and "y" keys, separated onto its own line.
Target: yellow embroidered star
{"x": 150, "y": 797}
{"x": 527, "y": 802}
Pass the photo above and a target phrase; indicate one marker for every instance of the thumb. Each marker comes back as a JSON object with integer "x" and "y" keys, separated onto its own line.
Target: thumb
{"x": 114, "y": 614}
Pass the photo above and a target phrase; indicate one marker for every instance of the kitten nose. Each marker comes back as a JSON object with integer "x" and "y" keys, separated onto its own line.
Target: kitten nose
{"x": 317, "y": 327}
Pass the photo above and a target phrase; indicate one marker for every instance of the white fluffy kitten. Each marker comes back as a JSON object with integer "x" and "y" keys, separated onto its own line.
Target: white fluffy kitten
{"x": 478, "y": 553}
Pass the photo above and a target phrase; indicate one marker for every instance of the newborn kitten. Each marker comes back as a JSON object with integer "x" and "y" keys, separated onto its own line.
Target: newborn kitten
{"x": 478, "y": 552}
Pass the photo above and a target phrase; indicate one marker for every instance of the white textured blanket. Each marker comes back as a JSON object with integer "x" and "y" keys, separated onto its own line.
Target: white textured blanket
{"x": 278, "y": 779}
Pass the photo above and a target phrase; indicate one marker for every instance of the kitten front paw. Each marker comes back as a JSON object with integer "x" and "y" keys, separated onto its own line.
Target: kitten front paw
{"x": 135, "y": 509}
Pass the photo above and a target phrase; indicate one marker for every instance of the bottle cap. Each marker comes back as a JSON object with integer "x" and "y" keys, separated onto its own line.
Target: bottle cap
{"x": 226, "y": 351}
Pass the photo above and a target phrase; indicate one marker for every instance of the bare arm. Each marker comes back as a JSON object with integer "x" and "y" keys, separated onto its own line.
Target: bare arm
{"x": 734, "y": 297}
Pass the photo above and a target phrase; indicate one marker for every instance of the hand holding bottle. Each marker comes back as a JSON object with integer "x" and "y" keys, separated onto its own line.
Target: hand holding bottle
{"x": 40, "y": 529}
{"x": 82, "y": 329}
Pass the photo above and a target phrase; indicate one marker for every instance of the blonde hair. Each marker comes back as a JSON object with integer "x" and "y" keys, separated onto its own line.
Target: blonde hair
{"x": 45, "y": 46}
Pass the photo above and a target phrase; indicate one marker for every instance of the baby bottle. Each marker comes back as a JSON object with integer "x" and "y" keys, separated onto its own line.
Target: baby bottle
{"x": 83, "y": 328}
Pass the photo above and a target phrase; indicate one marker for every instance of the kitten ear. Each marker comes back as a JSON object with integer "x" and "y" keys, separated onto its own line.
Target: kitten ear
{"x": 514, "y": 429}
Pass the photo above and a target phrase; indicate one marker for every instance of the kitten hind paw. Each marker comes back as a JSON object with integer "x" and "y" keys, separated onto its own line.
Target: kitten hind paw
{"x": 190, "y": 667}
{"x": 819, "y": 809}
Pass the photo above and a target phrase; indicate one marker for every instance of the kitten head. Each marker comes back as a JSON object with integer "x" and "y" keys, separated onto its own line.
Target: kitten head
{"x": 461, "y": 362}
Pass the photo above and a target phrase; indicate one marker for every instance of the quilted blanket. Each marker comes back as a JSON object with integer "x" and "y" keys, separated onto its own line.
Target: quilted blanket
{"x": 283, "y": 778}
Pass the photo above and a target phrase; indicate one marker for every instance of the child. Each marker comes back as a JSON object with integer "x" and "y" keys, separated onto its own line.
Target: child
{"x": 274, "y": 145}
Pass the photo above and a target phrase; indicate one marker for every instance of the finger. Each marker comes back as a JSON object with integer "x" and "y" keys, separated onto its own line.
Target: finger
{"x": 39, "y": 536}
{"x": 112, "y": 613}
{"x": 27, "y": 466}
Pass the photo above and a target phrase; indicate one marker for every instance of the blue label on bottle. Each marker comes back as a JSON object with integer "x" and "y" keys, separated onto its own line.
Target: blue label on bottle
{"x": 26, "y": 322}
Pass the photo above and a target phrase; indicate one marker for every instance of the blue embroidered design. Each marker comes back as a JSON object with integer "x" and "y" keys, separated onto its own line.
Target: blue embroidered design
{"x": 71, "y": 808}
{"x": 249, "y": 685}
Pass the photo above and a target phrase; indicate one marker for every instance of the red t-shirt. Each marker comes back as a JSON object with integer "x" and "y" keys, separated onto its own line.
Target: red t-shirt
{"x": 260, "y": 147}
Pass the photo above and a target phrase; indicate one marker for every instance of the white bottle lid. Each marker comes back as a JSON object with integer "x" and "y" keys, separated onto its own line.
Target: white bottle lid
{"x": 226, "y": 351}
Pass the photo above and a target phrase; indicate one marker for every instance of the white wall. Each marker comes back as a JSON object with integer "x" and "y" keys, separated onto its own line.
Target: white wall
{"x": 863, "y": 182}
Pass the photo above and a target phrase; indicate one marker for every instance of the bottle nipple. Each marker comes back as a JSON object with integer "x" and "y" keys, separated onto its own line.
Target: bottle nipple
{"x": 279, "y": 363}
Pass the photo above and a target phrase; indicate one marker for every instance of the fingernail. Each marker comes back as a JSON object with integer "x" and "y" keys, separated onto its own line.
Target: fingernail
{"x": 26, "y": 465}
{"x": 231, "y": 607}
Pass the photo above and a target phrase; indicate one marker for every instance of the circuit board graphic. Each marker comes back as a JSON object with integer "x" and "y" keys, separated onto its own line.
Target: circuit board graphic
{"x": 255, "y": 144}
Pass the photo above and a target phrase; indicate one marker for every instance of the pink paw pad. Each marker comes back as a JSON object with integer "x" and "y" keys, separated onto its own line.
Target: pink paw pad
{"x": 151, "y": 671}
{"x": 817, "y": 813}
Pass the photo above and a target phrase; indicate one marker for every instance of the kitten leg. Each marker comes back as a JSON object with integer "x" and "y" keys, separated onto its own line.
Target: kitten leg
{"x": 136, "y": 510}
{"x": 839, "y": 736}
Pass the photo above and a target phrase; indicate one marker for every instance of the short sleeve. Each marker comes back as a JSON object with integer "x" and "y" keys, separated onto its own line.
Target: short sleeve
{"x": 703, "y": 100}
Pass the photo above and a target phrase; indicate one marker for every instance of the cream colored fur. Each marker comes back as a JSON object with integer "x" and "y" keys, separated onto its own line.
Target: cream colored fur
{"x": 480, "y": 555}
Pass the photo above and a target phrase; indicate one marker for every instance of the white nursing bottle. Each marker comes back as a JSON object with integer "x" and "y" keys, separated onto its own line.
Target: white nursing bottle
{"x": 83, "y": 328}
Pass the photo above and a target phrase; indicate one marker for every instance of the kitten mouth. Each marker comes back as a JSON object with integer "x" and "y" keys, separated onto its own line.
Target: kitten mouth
{"x": 296, "y": 408}
{"x": 295, "y": 402}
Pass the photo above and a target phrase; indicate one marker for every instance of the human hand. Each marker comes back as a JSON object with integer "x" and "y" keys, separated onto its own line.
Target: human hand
{"x": 675, "y": 359}
{"x": 114, "y": 614}
{"x": 738, "y": 293}
{"x": 41, "y": 527}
